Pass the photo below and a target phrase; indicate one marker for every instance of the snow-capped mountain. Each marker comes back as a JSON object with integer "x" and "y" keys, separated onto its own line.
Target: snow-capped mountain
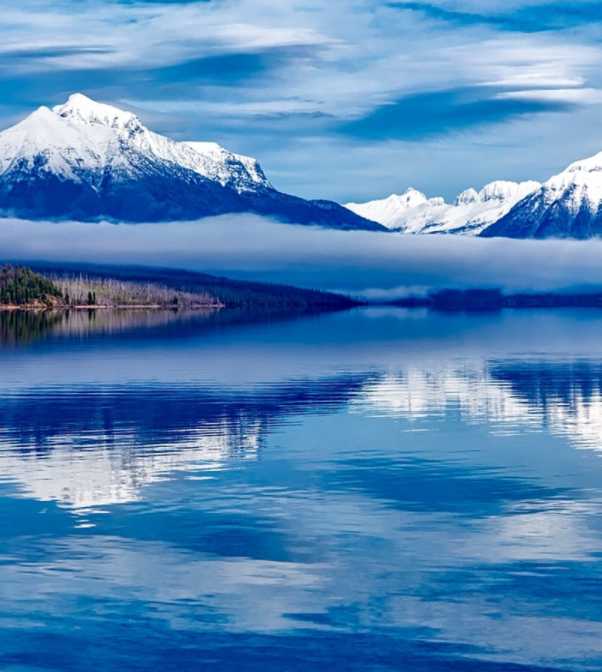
{"x": 470, "y": 213}
{"x": 86, "y": 160}
{"x": 568, "y": 205}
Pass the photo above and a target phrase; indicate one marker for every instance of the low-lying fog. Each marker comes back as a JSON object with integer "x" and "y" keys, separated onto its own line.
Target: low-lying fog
{"x": 358, "y": 262}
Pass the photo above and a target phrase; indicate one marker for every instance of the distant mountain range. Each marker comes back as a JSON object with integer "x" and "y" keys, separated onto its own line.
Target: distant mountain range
{"x": 471, "y": 213}
{"x": 568, "y": 205}
{"x": 88, "y": 161}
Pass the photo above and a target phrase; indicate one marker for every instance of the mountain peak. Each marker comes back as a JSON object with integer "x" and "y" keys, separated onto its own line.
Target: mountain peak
{"x": 592, "y": 163}
{"x": 83, "y": 110}
{"x": 470, "y": 213}
{"x": 466, "y": 197}
{"x": 411, "y": 197}
{"x": 89, "y": 161}
{"x": 568, "y": 205}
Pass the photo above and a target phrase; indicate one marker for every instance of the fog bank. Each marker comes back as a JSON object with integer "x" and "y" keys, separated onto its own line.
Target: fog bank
{"x": 374, "y": 264}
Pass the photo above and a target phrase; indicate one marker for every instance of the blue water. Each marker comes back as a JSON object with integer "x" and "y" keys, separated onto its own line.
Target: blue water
{"x": 372, "y": 490}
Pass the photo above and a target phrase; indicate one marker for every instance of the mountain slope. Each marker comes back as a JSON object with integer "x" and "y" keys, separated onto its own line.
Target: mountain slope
{"x": 471, "y": 212}
{"x": 85, "y": 160}
{"x": 568, "y": 205}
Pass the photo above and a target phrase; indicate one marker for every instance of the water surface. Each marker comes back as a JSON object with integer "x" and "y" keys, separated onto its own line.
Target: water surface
{"x": 370, "y": 490}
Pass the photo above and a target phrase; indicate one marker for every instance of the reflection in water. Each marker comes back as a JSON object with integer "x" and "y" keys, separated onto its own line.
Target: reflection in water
{"x": 361, "y": 491}
{"x": 94, "y": 447}
{"x": 23, "y": 326}
{"x": 18, "y": 327}
{"x": 561, "y": 397}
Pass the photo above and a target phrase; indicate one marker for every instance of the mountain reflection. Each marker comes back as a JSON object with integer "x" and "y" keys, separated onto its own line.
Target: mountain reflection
{"x": 85, "y": 447}
{"x": 565, "y": 398}
{"x": 104, "y": 429}
{"x": 255, "y": 496}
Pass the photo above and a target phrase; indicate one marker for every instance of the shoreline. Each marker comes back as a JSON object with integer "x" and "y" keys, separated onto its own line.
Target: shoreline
{"x": 494, "y": 300}
{"x": 31, "y": 308}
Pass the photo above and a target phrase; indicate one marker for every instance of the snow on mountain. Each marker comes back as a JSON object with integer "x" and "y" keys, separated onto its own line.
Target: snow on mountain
{"x": 568, "y": 205}
{"x": 207, "y": 159}
{"x": 243, "y": 170}
{"x": 85, "y": 135}
{"x": 469, "y": 214}
{"x": 87, "y": 160}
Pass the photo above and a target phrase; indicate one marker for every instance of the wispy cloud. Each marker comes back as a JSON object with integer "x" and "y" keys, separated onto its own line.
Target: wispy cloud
{"x": 528, "y": 18}
{"x": 430, "y": 114}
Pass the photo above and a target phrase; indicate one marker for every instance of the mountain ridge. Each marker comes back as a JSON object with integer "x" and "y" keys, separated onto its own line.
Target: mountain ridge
{"x": 90, "y": 161}
{"x": 470, "y": 213}
{"x": 568, "y": 205}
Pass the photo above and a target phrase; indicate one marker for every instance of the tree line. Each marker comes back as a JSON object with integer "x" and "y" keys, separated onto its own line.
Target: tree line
{"x": 20, "y": 286}
{"x": 112, "y": 293}
{"x": 72, "y": 285}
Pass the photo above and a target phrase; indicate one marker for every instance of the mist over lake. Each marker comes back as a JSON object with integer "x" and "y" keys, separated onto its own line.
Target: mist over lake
{"x": 376, "y": 264}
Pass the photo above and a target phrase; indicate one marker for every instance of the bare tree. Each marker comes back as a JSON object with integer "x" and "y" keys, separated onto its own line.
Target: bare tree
{"x": 112, "y": 293}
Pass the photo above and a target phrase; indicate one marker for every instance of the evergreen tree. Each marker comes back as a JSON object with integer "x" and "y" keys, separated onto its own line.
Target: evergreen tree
{"x": 21, "y": 286}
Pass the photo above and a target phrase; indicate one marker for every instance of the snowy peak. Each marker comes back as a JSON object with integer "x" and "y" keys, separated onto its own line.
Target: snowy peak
{"x": 243, "y": 166}
{"x": 505, "y": 192}
{"x": 47, "y": 142}
{"x": 410, "y": 198}
{"x": 82, "y": 137}
{"x": 567, "y": 205}
{"x": 591, "y": 164}
{"x": 90, "y": 161}
{"x": 579, "y": 185}
{"x": 470, "y": 213}
{"x": 389, "y": 211}
{"x": 467, "y": 197}
{"x": 80, "y": 109}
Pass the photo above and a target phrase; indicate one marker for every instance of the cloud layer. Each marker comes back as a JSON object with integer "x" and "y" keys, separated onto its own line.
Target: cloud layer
{"x": 346, "y": 100}
{"x": 372, "y": 264}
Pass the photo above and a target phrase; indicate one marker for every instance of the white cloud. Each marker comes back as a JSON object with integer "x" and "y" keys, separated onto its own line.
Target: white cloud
{"x": 579, "y": 96}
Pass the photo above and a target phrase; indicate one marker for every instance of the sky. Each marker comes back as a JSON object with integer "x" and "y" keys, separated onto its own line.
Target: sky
{"x": 347, "y": 99}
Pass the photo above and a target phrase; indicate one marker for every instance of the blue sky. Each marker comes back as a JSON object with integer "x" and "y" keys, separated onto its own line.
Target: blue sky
{"x": 346, "y": 99}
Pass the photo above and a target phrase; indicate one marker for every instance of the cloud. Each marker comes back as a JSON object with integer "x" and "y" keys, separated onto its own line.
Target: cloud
{"x": 430, "y": 114}
{"x": 278, "y": 80}
{"x": 246, "y": 246}
{"x": 539, "y": 17}
{"x": 560, "y": 96}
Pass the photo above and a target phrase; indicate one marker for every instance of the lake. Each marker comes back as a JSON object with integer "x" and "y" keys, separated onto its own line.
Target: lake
{"x": 373, "y": 490}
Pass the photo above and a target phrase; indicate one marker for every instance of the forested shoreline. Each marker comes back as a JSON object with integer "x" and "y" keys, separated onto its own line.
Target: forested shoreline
{"x": 45, "y": 287}
{"x": 22, "y": 287}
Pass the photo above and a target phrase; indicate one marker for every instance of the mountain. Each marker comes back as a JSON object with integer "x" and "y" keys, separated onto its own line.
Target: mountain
{"x": 469, "y": 214}
{"x": 568, "y": 205}
{"x": 85, "y": 160}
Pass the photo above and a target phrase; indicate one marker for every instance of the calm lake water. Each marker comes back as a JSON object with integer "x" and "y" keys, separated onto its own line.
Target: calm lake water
{"x": 372, "y": 490}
